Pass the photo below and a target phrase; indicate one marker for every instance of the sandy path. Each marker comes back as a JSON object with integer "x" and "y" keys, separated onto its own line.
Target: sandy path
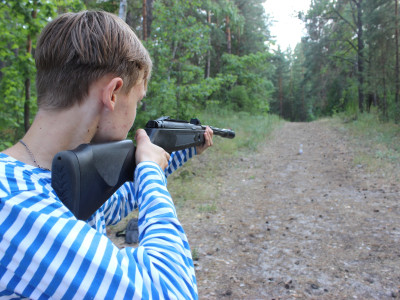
{"x": 299, "y": 226}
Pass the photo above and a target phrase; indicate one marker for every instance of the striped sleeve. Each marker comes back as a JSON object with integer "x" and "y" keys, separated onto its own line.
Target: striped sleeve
{"x": 48, "y": 255}
{"x": 178, "y": 158}
{"x": 117, "y": 207}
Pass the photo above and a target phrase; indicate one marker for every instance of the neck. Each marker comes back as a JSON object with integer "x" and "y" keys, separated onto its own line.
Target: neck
{"x": 54, "y": 131}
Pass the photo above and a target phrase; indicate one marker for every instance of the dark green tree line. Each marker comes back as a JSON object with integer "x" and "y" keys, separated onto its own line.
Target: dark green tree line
{"x": 349, "y": 59}
{"x": 21, "y": 21}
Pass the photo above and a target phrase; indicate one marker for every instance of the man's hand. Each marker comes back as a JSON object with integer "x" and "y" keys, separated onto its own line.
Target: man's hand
{"x": 208, "y": 140}
{"x": 147, "y": 151}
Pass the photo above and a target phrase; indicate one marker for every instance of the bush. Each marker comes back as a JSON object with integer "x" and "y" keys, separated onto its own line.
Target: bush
{"x": 239, "y": 98}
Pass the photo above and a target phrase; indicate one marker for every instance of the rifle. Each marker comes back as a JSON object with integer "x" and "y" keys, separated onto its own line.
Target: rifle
{"x": 84, "y": 178}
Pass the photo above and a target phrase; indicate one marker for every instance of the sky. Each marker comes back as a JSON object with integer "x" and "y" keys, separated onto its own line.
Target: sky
{"x": 287, "y": 28}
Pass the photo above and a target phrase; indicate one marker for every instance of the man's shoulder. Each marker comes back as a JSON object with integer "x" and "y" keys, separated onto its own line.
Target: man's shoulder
{"x": 16, "y": 176}
{"x": 27, "y": 187}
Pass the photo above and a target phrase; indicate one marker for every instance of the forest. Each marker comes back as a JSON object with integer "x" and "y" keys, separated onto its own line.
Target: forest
{"x": 219, "y": 55}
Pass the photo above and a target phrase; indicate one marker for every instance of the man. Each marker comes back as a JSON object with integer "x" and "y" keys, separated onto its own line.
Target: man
{"x": 92, "y": 73}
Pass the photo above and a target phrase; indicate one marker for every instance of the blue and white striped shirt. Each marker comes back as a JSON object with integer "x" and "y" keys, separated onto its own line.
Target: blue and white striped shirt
{"x": 45, "y": 252}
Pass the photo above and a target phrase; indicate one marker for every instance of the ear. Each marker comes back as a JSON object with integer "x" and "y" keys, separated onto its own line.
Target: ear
{"x": 110, "y": 91}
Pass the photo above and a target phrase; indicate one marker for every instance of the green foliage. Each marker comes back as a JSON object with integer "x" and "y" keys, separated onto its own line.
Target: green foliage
{"x": 178, "y": 40}
{"x": 195, "y": 254}
{"x": 239, "y": 98}
{"x": 20, "y": 23}
{"x": 350, "y": 101}
{"x": 106, "y": 5}
{"x": 252, "y": 88}
{"x": 255, "y": 28}
{"x": 335, "y": 47}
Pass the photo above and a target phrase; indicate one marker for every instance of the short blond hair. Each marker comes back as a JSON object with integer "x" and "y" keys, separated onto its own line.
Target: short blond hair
{"x": 77, "y": 49}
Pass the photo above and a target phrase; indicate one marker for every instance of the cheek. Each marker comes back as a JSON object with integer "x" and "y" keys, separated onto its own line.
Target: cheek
{"x": 133, "y": 116}
{"x": 130, "y": 116}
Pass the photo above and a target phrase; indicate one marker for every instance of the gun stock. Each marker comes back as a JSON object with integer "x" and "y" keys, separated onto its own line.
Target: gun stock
{"x": 84, "y": 178}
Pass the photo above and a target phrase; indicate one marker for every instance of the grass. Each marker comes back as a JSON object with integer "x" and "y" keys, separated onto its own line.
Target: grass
{"x": 198, "y": 184}
{"x": 195, "y": 254}
{"x": 208, "y": 208}
{"x": 376, "y": 144}
{"x": 251, "y": 130}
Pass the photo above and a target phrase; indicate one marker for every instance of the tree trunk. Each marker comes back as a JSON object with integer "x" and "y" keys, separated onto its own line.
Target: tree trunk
{"x": 303, "y": 102}
{"x": 228, "y": 35}
{"x": 27, "y": 110}
{"x": 280, "y": 95}
{"x": 208, "y": 64}
{"x": 360, "y": 57}
{"x": 396, "y": 11}
{"x": 384, "y": 100}
{"x": 383, "y": 103}
{"x": 123, "y": 7}
{"x": 149, "y": 16}
{"x": 238, "y": 42}
{"x": 144, "y": 20}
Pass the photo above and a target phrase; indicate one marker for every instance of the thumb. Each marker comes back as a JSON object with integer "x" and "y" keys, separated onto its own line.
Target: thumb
{"x": 147, "y": 151}
{"x": 141, "y": 136}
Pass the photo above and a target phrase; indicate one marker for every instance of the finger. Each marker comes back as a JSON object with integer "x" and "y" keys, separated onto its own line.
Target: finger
{"x": 211, "y": 132}
{"x": 209, "y": 142}
{"x": 208, "y": 133}
{"x": 209, "y": 136}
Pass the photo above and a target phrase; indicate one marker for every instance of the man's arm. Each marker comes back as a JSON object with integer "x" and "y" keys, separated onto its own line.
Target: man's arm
{"x": 48, "y": 254}
{"x": 178, "y": 159}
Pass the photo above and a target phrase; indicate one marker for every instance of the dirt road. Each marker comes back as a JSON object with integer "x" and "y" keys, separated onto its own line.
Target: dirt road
{"x": 289, "y": 226}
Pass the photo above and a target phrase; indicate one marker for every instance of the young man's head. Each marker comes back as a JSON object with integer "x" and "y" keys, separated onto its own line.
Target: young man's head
{"x": 77, "y": 49}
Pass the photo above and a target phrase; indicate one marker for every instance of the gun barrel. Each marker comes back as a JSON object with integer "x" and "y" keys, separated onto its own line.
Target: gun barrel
{"x": 194, "y": 124}
{"x": 226, "y": 133}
